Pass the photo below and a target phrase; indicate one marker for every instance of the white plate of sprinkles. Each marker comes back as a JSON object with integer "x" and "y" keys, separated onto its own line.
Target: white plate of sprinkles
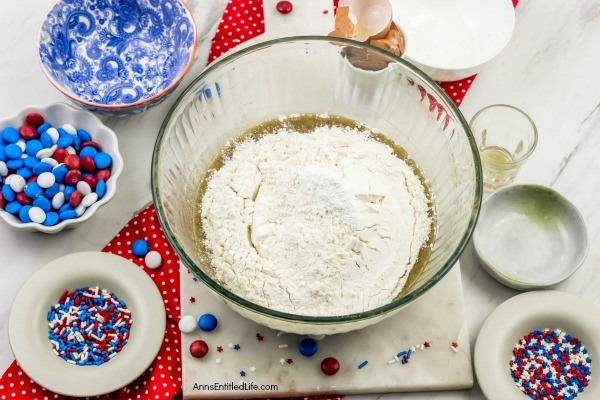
{"x": 540, "y": 345}
{"x": 87, "y": 324}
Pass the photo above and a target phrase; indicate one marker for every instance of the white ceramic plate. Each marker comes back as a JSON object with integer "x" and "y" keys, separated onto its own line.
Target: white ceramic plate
{"x": 522, "y": 314}
{"x": 453, "y": 39}
{"x": 28, "y": 327}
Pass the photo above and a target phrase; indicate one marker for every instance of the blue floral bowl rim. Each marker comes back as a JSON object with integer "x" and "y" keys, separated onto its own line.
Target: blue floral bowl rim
{"x": 76, "y": 99}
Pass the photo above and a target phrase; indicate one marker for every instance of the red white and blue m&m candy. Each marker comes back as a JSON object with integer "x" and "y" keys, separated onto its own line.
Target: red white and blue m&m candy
{"x": 57, "y": 172}
{"x": 140, "y": 248}
{"x": 207, "y": 322}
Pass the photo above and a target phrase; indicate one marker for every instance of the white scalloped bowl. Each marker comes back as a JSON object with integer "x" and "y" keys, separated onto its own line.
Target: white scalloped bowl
{"x": 59, "y": 114}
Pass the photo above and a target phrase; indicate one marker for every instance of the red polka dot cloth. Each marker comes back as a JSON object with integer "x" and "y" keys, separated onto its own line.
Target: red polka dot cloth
{"x": 242, "y": 20}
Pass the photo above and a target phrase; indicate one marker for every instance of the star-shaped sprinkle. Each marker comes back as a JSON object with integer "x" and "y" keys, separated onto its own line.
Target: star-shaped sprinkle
{"x": 195, "y": 279}
{"x": 426, "y": 344}
{"x": 242, "y": 373}
{"x": 252, "y": 368}
{"x": 230, "y": 345}
{"x": 325, "y": 12}
{"x": 413, "y": 349}
{"x": 237, "y": 347}
{"x": 454, "y": 344}
{"x": 192, "y": 299}
{"x": 289, "y": 361}
{"x": 218, "y": 361}
{"x": 219, "y": 349}
{"x": 259, "y": 337}
{"x": 282, "y": 361}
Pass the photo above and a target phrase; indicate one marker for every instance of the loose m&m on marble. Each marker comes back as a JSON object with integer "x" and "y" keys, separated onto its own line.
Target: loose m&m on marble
{"x": 50, "y": 174}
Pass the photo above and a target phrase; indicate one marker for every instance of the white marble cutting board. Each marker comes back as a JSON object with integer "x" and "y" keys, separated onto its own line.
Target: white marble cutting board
{"x": 436, "y": 317}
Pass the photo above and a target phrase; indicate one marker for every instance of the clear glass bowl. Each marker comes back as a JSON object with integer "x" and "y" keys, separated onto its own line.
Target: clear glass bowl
{"x": 313, "y": 75}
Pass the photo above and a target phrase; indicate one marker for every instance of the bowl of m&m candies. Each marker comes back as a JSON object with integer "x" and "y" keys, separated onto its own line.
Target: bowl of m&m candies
{"x": 58, "y": 165}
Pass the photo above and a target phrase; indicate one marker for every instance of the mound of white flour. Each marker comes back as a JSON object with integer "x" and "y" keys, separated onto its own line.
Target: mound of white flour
{"x": 323, "y": 223}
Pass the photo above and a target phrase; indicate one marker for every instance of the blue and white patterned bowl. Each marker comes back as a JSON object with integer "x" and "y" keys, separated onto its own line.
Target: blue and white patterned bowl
{"x": 117, "y": 56}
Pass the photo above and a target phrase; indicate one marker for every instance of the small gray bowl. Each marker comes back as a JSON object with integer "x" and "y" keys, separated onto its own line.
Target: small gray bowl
{"x": 530, "y": 237}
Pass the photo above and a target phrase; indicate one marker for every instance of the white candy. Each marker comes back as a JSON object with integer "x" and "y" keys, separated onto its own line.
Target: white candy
{"x": 188, "y": 324}
{"x": 46, "y": 179}
{"x": 71, "y": 150}
{"x": 89, "y": 199}
{"x": 21, "y": 144}
{"x": 3, "y": 168}
{"x": 61, "y": 187}
{"x": 58, "y": 200}
{"x": 53, "y": 163}
{"x": 24, "y": 155}
{"x": 79, "y": 210}
{"x": 54, "y": 135}
{"x": 84, "y": 188}
{"x": 8, "y": 179}
{"x": 70, "y": 129}
{"x": 17, "y": 183}
{"x": 153, "y": 259}
{"x": 45, "y": 153}
{"x": 36, "y": 214}
{"x": 56, "y": 166}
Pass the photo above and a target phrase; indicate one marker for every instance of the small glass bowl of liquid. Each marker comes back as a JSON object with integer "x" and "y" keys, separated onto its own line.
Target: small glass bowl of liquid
{"x": 505, "y": 137}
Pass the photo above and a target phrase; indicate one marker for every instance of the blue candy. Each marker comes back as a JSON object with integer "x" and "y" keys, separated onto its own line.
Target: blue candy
{"x": 102, "y": 160}
{"x": 3, "y": 154}
{"x": 100, "y": 188}
{"x": 33, "y": 190}
{"x": 207, "y": 322}
{"x": 33, "y": 146}
{"x": 42, "y": 203}
{"x": 13, "y": 207}
{"x": 13, "y": 151}
{"x": 25, "y": 172}
{"x": 139, "y": 248}
{"x": 52, "y": 191}
{"x": 61, "y": 132}
{"x": 51, "y": 219}
{"x": 43, "y": 127}
{"x": 24, "y": 214}
{"x": 68, "y": 214}
{"x": 41, "y": 167}
{"x": 15, "y": 164}
{"x": 68, "y": 192}
{"x": 88, "y": 151}
{"x": 76, "y": 142}
{"x": 64, "y": 141}
{"x": 84, "y": 136}
{"x": 8, "y": 193}
{"x": 60, "y": 172}
{"x": 64, "y": 207}
{"x": 308, "y": 347}
{"x": 10, "y": 134}
{"x": 46, "y": 140}
{"x": 30, "y": 162}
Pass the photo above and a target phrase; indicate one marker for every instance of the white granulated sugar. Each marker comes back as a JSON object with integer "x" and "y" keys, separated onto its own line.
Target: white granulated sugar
{"x": 323, "y": 223}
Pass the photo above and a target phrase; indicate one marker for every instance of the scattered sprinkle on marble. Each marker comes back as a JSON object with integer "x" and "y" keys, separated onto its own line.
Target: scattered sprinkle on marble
{"x": 289, "y": 361}
{"x": 219, "y": 349}
{"x": 230, "y": 345}
{"x": 454, "y": 347}
{"x": 218, "y": 361}
{"x": 192, "y": 299}
{"x": 426, "y": 344}
{"x": 259, "y": 337}
{"x": 237, "y": 347}
{"x": 282, "y": 361}
{"x": 242, "y": 373}
{"x": 392, "y": 361}
{"x": 325, "y": 12}
{"x": 253, "y": 369}
{"x": 363, "y": 364}
{"x": 454, "y": 344}
{"x": 195, "y": 279}
{"x": 283, "y": 346}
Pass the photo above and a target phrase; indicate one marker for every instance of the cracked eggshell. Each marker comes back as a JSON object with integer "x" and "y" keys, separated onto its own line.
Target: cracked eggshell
{"x": 372, "y": 19}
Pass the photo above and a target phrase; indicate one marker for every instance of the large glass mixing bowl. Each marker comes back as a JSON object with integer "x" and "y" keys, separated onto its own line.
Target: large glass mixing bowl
{"x": 314, "y": 75}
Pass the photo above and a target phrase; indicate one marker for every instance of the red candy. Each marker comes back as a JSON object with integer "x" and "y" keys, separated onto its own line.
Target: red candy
{"x": 27, "y": 132}
{"x": 60, "y": 154}
{"x": 34, "y": 119}
{"x": 2, "y": 201}
{"x": 330, "y": 366}
{"x": 72, "y": 177}
{"x": 90, "y": 144}
{"x": 88, "y": 165}
{"x": 75, "y": 198}
{"x": 72, "y": 161}
{"x": 285, "y": 7}
{"x": 102, "y": 175}
{"x": 23, "y": 199}
{"x": 198, "y": 348}
{"x": 90, "y": 181}
{"x": 32, "y": 179}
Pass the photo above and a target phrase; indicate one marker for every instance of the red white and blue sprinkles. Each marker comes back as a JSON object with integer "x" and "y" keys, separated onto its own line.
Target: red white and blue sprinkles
{"x": 88, "y": 326}
{"x": 550, "y": 364}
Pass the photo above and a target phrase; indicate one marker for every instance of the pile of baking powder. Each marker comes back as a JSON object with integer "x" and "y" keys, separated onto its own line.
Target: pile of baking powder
{"x": 323, "y": 223}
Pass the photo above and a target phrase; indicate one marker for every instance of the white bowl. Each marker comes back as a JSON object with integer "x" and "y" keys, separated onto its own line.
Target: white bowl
{"x": 28, "y": 326}
{"x": 522, "y": 314}
{"x": 451, "y": 40}
{"x": 59, "y": 114}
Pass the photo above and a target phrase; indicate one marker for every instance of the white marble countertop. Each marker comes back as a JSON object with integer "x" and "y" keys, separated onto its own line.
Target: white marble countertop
{"x": 549, "y": 69}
